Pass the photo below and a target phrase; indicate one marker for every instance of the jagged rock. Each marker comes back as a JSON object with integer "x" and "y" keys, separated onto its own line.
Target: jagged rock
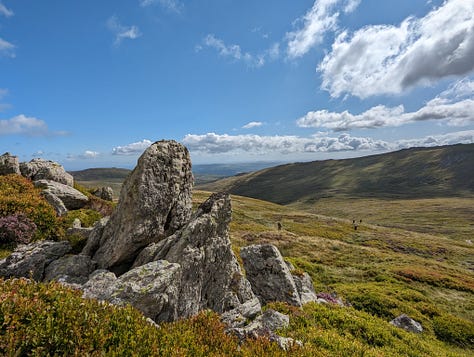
{"x": 152, "y": 288}
{"x": 9, "y": 164}
{"x": 265, "y": 325}
{"x": 106, "y": 193}
{"x": 56, "y": 202}
{"x": 155, "y": 201}
{"x": 72, "y": 269}
{"x": 238, "y": 317}
{"x": 407, "y": 323}
{"x": 212, "y": 278}
{"x": 305, "y": 288}
{"x": 269, "y": 275}
{"x": 39, "y": 169}
{"x": 93, "y": 240}
{"x": 72, "y": 198}
{"x": 32, "y": 259}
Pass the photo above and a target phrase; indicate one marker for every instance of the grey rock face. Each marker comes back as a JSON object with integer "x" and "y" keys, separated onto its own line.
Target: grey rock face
{"x": 155, "y": 201}
{"x": 212, "y": 278}
{"x": 32, "y": 259}
{"x": 152, "y": 288}
{"x": 39, "y": 169}
{"x": 407, "y": 323}
{"x": 9, "y": 164}
{"x": 305, "y": 288}
{"x": 105, "y": 193}
{"x": 72, "y": 198}
{"x": 56, "y": 202}
{"x": 73, "y": 269}
{"x": 269, "y": 275}
{"x": 93, "y": 240}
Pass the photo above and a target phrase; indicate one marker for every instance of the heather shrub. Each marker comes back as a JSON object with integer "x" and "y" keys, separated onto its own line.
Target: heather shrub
{"x": 19, "y": 196}
{"x": 16, "y": 228}
{"x": 454, "y": 330}
{"x": 87, "y": 217}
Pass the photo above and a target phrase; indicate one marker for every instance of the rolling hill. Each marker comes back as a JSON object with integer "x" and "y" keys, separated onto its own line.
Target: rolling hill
{"x": 446, "y": 171}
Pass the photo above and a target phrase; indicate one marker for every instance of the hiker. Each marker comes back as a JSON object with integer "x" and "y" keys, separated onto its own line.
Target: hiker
{"x": 279, "y": 226}
{"x": 355, "y": 224}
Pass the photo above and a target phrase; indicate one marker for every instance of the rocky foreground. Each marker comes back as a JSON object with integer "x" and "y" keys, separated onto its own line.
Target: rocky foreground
{"x": 169, "y": 262}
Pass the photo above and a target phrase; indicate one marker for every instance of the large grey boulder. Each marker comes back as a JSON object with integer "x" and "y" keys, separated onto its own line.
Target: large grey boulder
{"x": 72, "y": 269}
{"x": 152, "y": 288}
{"x": 212, "y": 278}
{"x": 407, "y": 323}
{"x": 269, "y": 275}
{"x": 106, "y": 193}
{"x": 155, "y": 201}
{"x": 40, "y": 169}
{"x": 95, "y": 234}
{"x": 31, "y": 260}
{"x": 305, "y": 288}
{"x": 9, "y": 164}
{"x": 71, "y": 198}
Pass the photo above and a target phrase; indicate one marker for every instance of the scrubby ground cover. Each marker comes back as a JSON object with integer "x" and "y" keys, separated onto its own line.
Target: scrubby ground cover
{"x": 382, "y": 272}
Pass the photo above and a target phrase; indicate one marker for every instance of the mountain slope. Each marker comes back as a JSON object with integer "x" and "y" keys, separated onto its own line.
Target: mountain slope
{"x": 410, "y": 173}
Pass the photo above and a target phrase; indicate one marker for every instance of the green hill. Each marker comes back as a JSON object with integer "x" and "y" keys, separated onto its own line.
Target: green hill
{"x": 411, "y": 173}
{"x": 101, "y": 174}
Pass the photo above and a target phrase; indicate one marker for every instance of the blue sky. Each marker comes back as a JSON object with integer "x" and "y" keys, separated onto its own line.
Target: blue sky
{"x": 93, "y": 83}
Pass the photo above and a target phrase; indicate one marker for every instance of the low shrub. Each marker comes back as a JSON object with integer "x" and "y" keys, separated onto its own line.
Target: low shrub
{"x": 19, "y": 196}
{"x": 87, "y": 217}
{"x": 16, "y": 228}
{"x": 454, "y": 330}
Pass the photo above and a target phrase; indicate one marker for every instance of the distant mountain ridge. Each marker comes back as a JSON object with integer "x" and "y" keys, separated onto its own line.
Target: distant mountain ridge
{"x": 409, "y": 173}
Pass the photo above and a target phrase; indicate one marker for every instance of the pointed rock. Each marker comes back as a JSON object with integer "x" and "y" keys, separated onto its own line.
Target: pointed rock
{"x": 212, "y": 278}
{"x": 155, "y": 201}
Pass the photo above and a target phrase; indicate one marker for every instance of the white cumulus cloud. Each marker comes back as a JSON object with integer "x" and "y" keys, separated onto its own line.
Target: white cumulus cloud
{"x": 387, "y": 59}
{"x": 454, "y": 107}
{"x": 132, "y": 149}
{"x": 122, "y": 32}
{"x": 6, "y": 48}
{"x": 89, "y": 154}
{"x": 321, "y": 18}
{"x": 23, "y": 125}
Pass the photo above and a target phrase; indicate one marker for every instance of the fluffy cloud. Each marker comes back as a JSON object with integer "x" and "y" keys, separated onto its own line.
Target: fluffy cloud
{"x": 321, "y": 18}
{"x": 23, "y": 125}
{"x": 212, "y": 143}
{"x": 132, "y": 149}
{"x": 170, "y": 5}
{"x": 234, "y": 51}
{"x": 89, "y": 154}
{"x": 122, "y": 32}
{"x": 455, "y": 107}
{"x": 217, "y": 144}
{"x": 4, "y": 11}
{"x": 386, "y": 59}
{"x": 252, "y": 124}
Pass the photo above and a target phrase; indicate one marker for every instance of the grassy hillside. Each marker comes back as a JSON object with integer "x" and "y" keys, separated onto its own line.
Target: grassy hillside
{"x": 382, "y": 272}
{"x": 412, "y": 173}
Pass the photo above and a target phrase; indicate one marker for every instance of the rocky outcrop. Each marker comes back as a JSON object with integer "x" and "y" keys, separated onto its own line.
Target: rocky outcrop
{"x": 39, "y": 169}
{"x": 93, "y": 240}
{"x": 155, "y": 202}
{"x": 72, "y": 269}
{"x": 31, "y": 260}
{"x": 9, "y": 164}
{"x": 71, "y": 198}
{"x": 106, "y": 193}
{"x": 305, "y": 288}
{"x": 407, "y": 323}
{"x": 212, "y": 278}
{"x": 55, "y": 202}
{"x": 152, "y": 288}
{"x": 269, "y": 275}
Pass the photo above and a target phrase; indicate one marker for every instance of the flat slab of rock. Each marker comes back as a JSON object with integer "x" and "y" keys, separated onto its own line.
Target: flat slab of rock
{"x": 269, "y": 275}
{"x": 40, "y": 169}
{"x": 71, "y": 198}
{"x": 152, "y": 288}
{"x": 31, "y": 260}
{"x": 72, "y": 269}
{"x": 9, "y": 164}
{"x": 155, "y": 201}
